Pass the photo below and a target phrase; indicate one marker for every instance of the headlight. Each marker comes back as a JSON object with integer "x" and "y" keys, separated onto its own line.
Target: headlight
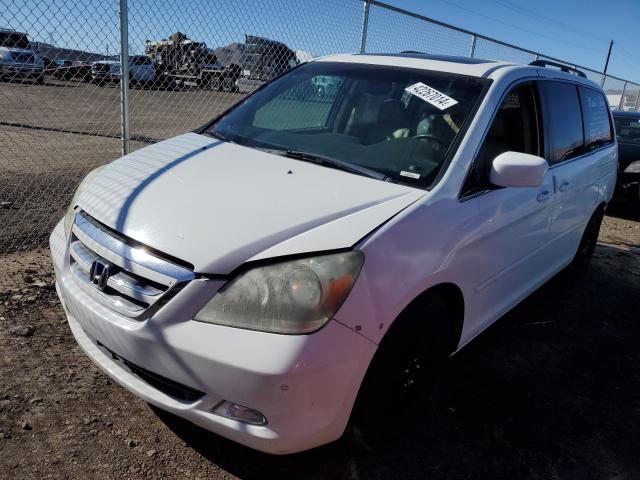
{"x": 633, "y": 167}
{"x": 295, "y": 297}
{"x": 71, "y": 211}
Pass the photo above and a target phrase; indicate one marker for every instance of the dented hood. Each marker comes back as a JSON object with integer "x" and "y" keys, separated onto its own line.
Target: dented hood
{"x": 217, "y": 205}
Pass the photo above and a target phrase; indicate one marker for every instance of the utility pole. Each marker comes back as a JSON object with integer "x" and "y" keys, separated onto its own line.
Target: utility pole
{"x": 606, "y": 63}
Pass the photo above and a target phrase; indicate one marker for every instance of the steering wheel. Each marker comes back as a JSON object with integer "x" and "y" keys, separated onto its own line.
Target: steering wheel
{"x": 433, "y": 138}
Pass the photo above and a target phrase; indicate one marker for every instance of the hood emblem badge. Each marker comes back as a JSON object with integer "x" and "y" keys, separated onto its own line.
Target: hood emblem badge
{"x": 99, "y": 274}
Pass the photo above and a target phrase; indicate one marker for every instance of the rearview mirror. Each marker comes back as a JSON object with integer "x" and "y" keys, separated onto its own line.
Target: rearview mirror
{"x": 515, "y": 169}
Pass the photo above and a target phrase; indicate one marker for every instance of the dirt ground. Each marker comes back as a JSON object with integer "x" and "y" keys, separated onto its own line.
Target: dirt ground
{"x": 552, "y": 391}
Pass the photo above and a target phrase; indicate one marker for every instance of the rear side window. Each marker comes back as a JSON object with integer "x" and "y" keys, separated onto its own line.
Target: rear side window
{"x": 595, "y": 117}
{"x": 564, "y": 121}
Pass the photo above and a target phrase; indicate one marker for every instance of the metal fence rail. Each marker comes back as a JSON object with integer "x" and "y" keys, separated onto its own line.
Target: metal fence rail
{"x": 67, "y": 105}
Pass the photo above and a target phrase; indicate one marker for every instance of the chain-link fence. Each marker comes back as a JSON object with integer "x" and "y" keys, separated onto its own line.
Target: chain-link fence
{"x": 65, "y": 108}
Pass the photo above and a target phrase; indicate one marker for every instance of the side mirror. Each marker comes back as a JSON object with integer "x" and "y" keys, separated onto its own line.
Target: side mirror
{"x": 514, "y": 169}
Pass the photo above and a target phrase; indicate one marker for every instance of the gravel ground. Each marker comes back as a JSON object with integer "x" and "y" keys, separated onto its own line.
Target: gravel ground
{"x": 552, "y": 391}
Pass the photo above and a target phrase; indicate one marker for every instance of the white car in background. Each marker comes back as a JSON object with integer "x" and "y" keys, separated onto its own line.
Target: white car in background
{"x": 302, "y": 265}
{"x": 17, "y": 59}
{"x": 142, "y": 70}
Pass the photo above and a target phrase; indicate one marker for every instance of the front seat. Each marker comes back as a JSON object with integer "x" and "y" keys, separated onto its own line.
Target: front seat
{"x": 392, "y": 123}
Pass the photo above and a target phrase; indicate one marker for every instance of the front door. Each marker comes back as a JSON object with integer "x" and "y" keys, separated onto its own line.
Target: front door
{"x": 508, "y": 250}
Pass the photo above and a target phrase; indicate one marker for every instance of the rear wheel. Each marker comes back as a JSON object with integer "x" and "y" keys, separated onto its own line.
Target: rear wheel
{"x": 398, "y": 386}
{"x": 587, "y": 245}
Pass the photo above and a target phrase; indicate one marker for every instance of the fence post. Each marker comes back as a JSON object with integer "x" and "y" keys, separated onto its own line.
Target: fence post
{"x": 621, "y": 103}
{"x": 365, "y": 25}
{"x": 472, "y": 52}
{"x": 124, "y": 75}
{"x": 635, "y": 107}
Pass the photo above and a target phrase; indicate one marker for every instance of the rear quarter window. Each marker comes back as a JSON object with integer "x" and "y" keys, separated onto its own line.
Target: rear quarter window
{"x": 564, "y": 120}
{"x": 595, "y": 117}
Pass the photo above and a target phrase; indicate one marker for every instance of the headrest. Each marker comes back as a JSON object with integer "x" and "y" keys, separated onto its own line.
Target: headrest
{"x": 392, "y": 112}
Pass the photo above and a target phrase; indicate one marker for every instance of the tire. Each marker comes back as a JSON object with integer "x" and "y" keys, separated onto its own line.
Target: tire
{"x": 39, "y": 80}
{"x": 401, "y": 378}
{"x": 582, "y": 258}
{"x": 214, "y": 84}
{"x": 228, "y": 85}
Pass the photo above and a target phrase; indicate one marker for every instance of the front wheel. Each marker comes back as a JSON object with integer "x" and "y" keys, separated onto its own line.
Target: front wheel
{"x": 399, "y": 383}
{"x": 228, "y": 85}
{"x": 214, "y": 83}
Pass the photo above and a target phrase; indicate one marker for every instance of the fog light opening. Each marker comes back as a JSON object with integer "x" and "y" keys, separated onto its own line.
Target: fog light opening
{"x": 240, "y": 413}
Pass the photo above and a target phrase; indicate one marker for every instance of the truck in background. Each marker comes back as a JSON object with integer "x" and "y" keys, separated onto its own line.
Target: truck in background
{"x": 18, "y": 60}
{"x": 141, "y": 70}
{"x": 181, "y": 61}
{"x": 262, "y": 60}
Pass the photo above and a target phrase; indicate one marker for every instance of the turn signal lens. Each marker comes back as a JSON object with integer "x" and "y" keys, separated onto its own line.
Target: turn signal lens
{"x": 240, "y": 413}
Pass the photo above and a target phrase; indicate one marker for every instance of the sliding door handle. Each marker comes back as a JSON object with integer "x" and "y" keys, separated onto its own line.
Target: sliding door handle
{"x": 544, "y": 195}
{"x": 564, "y": 185}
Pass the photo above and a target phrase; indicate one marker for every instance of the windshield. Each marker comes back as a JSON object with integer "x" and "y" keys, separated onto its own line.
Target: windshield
{"x": 400, "y": 123}
{"x": 627, "y": 129}
{"x": 14, "y": 40}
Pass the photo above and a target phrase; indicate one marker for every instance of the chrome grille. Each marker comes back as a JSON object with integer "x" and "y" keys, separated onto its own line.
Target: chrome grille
{"x": 138, "y": 282}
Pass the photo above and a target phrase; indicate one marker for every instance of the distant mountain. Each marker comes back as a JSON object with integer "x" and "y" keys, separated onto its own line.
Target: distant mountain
{"x": 54, "y": 53}
{"x": 232, "y": 53}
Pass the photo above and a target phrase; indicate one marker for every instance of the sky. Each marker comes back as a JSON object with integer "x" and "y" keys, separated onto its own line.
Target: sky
{"x": 577, "y": 31}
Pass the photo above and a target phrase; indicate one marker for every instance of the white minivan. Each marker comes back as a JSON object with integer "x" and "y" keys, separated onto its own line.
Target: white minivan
{"x": 304, "y": 262}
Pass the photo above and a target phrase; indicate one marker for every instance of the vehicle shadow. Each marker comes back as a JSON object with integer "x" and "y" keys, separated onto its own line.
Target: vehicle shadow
{"x": 551, "y": 390}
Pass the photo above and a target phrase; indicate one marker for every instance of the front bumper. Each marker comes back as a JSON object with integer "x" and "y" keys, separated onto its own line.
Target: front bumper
{"x": 105, "y": 75}
{"x": 305, "y": 385}
{"x": 20, "y": 70}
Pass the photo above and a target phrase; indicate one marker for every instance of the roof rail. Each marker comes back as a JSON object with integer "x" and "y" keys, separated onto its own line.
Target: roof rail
{"x": 564, "y": 68}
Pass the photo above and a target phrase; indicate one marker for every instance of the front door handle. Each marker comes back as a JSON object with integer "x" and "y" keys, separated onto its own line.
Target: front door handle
{"x": 564, "y": 185}
{"x": 544, "y": 195}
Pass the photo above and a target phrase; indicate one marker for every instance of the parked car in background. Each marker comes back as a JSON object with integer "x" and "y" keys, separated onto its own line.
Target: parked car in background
{"x": 18, "y": 61}
{"x": 628, "y": 134}
{"x": 142, "y": 70}
{"x": 304, "y": 263}
{"x": 72, "y": 70}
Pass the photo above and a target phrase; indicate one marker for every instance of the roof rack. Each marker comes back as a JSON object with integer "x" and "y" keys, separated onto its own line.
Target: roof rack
{"x": 564, "y": 68}
{"x": 412, "y": 51}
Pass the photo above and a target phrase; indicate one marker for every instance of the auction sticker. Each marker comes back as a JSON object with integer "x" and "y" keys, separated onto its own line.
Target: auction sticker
{"x": 431, "y": 95}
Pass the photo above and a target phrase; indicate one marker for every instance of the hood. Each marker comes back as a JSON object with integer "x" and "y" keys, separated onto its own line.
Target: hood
{"x": 18, "y": 50}
{"x": 217, "y": 205}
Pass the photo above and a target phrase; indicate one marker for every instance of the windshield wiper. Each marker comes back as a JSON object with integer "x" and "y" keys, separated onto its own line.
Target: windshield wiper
{"x": 219, "y": 136}
{"x": 331, "y": 163}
